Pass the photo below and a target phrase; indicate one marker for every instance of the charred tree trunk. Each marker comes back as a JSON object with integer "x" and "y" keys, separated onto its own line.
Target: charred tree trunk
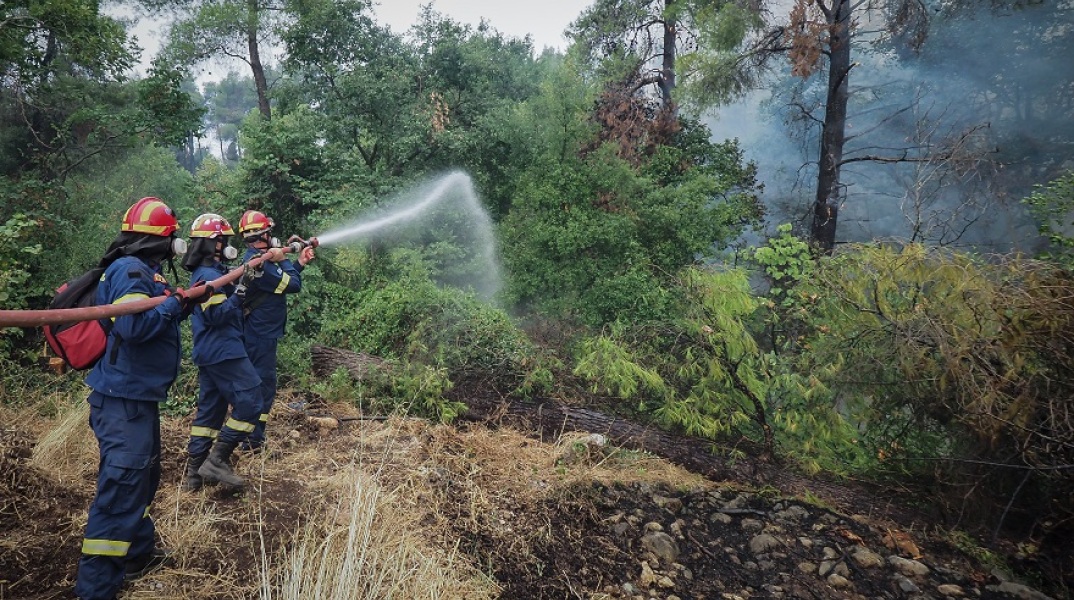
{"x": 667, "y": 78}
{"x": 260, "y": 82}
{"x": 833, "y": 136}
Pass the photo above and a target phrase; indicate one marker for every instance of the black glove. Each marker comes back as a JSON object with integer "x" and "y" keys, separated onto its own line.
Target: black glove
{"x": 199, "y": 293}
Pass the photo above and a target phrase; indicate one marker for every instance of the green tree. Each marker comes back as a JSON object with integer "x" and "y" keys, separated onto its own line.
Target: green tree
{"x": 647, "y": 38}
{"x": 603, "y": 238}
{"x": 229, "y": 29}
{"x": 228, "y": 101}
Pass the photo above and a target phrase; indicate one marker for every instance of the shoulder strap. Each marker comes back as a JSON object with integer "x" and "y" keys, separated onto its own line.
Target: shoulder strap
{"x": 249, "y": 305}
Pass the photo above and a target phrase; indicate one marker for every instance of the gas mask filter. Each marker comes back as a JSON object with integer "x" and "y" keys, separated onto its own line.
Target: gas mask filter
{"x": 230, "y": 253}
{"x": 178, "y": 246}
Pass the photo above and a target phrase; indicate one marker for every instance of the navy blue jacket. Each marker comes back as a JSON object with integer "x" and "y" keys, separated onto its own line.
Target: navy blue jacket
{"x": 269, "y": 317}
{"x": 217, "y": 323}
{"x": 146, "y": 361}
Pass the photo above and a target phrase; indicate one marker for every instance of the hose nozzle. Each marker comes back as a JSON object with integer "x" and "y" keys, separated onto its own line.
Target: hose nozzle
{"x": 296, "y": 244}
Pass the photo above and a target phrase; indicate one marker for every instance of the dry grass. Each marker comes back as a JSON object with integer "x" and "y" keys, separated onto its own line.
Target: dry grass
{"x": 360, "y": 547}
{"x": 371, "y": 510}
{"x": 67, "y": 450}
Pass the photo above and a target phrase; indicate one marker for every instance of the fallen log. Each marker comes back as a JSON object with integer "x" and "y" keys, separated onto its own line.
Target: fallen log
{"x": 549, "y": 418}
{"x": 326, "y": 360}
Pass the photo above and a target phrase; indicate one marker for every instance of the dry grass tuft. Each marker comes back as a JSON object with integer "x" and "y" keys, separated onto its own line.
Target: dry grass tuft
{"x": 360, "y": 546}
{"x": 68, "y": 450}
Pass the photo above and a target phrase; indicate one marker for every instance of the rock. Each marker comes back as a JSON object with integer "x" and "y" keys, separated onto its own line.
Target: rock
{"x": 791, "y": 513}
{"x": 838, "y": 581}
{"x": 950, "y": 589}
{"x": 673, "y": 505}
{"x": 763, "y": 543}
{"x": 722, "y": 518}
{"x": 662, "y": 545}
{"x": 908, "y": 567}
{"x": 905, "y": 584}
{"x": 807, "y": 567}
{"x": 324, "y": 423}
{"x": 752, "y": 525}
{"x": 647, "y": 578}
{"x": 1017, "y": 590}
{"x": 665, "y": 582}
{"x": 866, "y": 558}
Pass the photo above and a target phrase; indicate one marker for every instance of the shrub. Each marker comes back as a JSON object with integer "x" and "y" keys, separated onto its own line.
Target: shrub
{"x": 411, "y": 319}
{"x": 953, "y": 360}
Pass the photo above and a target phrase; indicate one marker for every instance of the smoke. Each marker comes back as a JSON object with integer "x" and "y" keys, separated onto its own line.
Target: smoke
{"x": 970, "y": 123}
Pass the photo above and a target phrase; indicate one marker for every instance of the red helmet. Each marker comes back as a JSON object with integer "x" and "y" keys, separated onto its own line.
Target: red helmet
{"x": 150, "y": 215}
{"x": 210, "y": 225}
{"x": 254, "y": 222}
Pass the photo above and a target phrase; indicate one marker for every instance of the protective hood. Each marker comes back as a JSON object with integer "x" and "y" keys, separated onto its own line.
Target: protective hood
{"x": 153, "y": 248}
{"x": 202, "y": 252}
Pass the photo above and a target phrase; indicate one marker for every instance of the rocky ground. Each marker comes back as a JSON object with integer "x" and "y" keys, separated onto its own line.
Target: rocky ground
{"x": 570, "y": 517}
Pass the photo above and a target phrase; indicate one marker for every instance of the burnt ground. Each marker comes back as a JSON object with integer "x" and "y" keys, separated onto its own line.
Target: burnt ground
{"x": 566, "y": 516}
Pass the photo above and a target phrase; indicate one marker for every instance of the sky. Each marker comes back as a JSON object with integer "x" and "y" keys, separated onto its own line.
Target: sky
{"x": 545, "y": 20}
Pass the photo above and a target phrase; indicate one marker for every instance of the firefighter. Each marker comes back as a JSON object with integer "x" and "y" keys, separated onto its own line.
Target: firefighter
{"x": 226, "y": 377}
{"x": 265, "y": 306}
{"x": 128, "y": 384}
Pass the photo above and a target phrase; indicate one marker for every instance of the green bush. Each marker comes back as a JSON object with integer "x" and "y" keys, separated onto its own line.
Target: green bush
{"x": 413, "y": 320}
{"x": 706, "y": 375}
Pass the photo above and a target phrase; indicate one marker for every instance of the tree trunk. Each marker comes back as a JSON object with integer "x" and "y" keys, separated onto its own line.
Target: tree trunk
{"x": 667, "y": 79}
{"x": 833, "y": 136}
{"x": 255, "y": 60}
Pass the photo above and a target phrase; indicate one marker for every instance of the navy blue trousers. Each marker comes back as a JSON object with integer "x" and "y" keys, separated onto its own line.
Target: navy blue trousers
{"x": 119, "y": 527}
{"x": 232, "y": 383}
{"x": 262, "y": 353}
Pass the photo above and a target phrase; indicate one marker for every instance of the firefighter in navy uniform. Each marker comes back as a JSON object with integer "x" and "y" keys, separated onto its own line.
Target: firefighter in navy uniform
{"x": 128, "y": 384}
{"x": 266, "y": 306}
{"x": 226, "y": 377}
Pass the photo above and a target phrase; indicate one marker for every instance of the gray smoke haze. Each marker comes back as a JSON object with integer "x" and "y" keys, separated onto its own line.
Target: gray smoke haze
{"x": 986, "y": 109}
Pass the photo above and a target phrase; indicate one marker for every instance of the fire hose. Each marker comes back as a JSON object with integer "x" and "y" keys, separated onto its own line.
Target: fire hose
{"x": 39, "y": 318}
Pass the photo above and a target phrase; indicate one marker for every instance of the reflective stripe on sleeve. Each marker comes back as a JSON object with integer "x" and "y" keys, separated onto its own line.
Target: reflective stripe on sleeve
{"x": 129, "y": 298}
{"x": 145, "y": 514}
{"x": 284, "y": 282}
{"x": 264, "y": 418}
{"x": 105, "y": 547}
{"x": 215, "y": 299}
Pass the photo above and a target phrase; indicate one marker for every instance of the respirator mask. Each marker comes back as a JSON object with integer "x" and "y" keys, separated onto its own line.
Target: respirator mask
{"x": 178, "y": 246}
{"x": 229, "y": 253}
{"x": 273, "y": 242}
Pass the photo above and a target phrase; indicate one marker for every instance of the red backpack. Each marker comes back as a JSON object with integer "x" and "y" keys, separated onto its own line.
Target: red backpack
{"x": 80, "y": 344}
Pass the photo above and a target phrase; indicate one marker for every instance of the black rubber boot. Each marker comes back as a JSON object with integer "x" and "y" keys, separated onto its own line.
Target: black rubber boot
{"x": 217, "y": 468}
{"x": 193, "y": 481}
{"x": 141, "y": 566}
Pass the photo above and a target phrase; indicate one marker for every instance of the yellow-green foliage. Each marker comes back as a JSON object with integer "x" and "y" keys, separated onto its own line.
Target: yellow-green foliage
{"x": 612, "y": 369}
{"x": 706, "y": 374}
{"x": 951, "y": 344}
